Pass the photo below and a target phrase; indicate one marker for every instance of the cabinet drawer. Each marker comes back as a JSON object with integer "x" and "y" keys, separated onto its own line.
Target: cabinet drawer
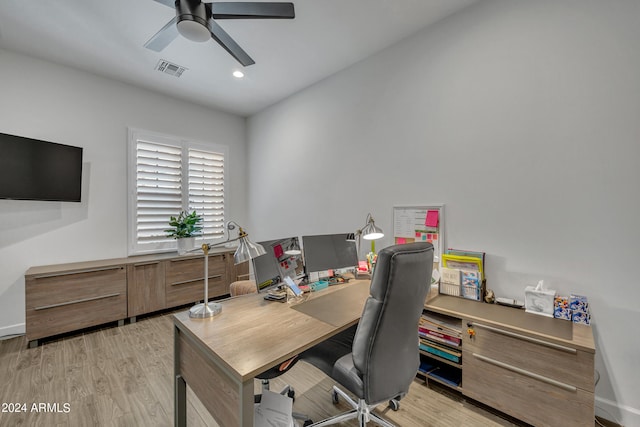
{"x": 185, "y": 280}
{"x": 540, "y": 356}
{"x": 69, "y": 301}
{"x": 525, "y": 397}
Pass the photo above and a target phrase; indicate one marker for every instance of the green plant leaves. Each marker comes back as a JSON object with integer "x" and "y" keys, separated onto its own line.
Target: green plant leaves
{"x": 184, "y": 225}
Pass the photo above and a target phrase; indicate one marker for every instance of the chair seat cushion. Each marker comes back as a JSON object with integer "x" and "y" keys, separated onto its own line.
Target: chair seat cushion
{"x": 346, "y": 374}
{"x": 325, "y": 354}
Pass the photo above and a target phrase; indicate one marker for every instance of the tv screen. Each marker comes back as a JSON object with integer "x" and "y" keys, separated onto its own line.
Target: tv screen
{"x": 31, "y": 169}
{"x": 329, "y": 252}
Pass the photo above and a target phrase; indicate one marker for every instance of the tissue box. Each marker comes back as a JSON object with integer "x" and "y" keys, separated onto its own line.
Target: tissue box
{"x": 539, "y": 301}
{"x": 561, "y": 308}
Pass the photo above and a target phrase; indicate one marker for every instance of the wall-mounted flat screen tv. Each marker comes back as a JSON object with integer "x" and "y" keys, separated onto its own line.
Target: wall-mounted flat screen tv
{"x": 31, "y": 169}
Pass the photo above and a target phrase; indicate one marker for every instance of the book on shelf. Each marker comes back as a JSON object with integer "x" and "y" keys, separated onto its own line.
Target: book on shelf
{"x": 439, "y": 337}
{"x": 441, "y": 351}
{"x": 441, "y": 347}
{"x": 450, "y": 281}
{"x": 440, "y": 323}
{"x": 471, "y": 285}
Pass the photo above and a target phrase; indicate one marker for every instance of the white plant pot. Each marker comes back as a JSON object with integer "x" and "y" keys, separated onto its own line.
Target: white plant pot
{"x": 186, "y": 244}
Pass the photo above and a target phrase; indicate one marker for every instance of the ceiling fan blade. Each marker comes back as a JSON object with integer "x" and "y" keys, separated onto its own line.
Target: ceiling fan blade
{"x": 170, "y": 3}
{"x": 225, "y": 40}
{"x": 251, "y": 10}
{"x": 162, "y": 38}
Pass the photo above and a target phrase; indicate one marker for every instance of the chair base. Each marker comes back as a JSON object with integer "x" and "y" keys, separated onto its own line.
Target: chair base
{"x": 361, "y": 411}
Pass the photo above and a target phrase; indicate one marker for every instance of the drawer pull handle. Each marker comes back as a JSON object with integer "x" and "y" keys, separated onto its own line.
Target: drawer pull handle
{"x": 88, "y": 270}
{"x": 217, "y": 276}
{"x": 144, "y": 264}
{"x": 526, "y": 338}
{"x": 44, "y": 307}
{"x": 195, "y": 257}
{"x": 526, "y": 373}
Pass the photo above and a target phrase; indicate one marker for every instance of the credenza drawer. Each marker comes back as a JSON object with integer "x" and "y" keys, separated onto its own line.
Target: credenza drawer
{"x": 534, "y": 398}
{"x": 69, "y": 301}
{"x": 540, "y": 356}
{"x": 185, "y": 279}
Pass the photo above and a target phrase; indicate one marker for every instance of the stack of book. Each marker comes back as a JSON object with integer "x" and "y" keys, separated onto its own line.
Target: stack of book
{"x": 440, "y": 337}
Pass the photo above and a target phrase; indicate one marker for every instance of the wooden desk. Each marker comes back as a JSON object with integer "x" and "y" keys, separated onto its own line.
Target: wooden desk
{"x": 220, "y": 356}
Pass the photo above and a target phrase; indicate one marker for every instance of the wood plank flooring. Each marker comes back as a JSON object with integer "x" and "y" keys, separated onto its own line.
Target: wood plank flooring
{"x": 123, "y": 376}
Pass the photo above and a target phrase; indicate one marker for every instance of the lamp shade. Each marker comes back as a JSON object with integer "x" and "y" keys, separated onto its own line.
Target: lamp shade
{"x": 247, "y": 250}
{"x": 371, "y": 231}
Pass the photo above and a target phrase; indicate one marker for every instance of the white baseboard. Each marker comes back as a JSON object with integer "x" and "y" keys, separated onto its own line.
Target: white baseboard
{"x": 9, "y": 331}
{"x": 620, "y": 414}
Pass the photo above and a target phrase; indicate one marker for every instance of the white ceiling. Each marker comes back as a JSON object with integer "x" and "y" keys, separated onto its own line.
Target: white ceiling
{"x": 106, "y": 38}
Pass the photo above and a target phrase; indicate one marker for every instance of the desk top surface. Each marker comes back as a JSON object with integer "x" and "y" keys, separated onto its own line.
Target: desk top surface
{"x": 251, "y": 334}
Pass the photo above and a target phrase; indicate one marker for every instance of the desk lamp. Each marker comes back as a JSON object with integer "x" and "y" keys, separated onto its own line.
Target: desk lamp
{"x": 369, "y": 232}
{"x": 246, "y": 250}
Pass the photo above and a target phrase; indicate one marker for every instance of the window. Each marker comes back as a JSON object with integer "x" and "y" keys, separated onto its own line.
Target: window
{"x": 166, "y": 175}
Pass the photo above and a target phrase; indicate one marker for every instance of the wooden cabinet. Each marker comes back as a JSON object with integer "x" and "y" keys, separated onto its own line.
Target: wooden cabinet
{"x": 60, "y": 302}
{"x": 67, "y": 297}
{"x": 534, "y": 368}
{"x": 145, "y": 282}
{"x": 239, "y": 272}
{"x": 185, "y": 279}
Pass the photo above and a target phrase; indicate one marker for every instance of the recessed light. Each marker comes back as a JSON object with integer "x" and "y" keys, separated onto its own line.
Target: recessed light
{"x": 238, "y": 74}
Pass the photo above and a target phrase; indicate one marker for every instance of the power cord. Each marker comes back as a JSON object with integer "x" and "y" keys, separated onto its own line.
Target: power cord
{"x": 607, "y": 412}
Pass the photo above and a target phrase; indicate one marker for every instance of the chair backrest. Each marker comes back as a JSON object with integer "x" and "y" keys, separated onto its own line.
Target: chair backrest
{"x": 242, "y": 287}
{"x": 385, "y": 347}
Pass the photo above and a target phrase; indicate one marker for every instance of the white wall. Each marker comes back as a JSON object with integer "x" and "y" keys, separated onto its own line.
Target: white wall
{"x": 46, "y": 101}
{"x": 523, "y": 118}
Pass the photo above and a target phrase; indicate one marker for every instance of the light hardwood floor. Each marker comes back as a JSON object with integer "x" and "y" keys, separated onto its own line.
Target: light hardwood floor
{"x": 123, "y": 376}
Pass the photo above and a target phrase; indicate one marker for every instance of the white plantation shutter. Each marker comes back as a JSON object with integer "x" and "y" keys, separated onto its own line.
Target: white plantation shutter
{"x": 159, "y": 189}
{"x": 206, "y": 190}
{"x": 168, "y": 175}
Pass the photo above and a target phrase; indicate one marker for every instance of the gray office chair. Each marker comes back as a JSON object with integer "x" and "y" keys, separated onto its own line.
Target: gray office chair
{"x": 385, "y": 357}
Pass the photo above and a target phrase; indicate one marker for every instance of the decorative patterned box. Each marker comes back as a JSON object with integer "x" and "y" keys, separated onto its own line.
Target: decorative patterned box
{"x": 561, "y": 308}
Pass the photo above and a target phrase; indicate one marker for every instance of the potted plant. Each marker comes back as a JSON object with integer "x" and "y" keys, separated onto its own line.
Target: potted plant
{"x": 184, "y": 229}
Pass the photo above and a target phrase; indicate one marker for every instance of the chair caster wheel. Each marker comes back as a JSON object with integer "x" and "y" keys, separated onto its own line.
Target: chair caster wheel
{"x": 394, "y": 404}
{"x": 292, "y": 394}
{"x": 334, "y": 397}
{"x": 307, "y": 423}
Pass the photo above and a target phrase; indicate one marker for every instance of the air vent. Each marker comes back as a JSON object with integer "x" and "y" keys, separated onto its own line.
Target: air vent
{"x": 170, "y": 68}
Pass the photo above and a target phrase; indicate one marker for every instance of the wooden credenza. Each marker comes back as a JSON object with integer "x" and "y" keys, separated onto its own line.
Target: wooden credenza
{"x": 534, "y": 368}
{"x": 66, "y": 297}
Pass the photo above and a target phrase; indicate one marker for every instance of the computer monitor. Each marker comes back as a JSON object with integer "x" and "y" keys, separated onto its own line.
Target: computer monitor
{"x": 283, "y": 259}
{"x": 329, "y": 252}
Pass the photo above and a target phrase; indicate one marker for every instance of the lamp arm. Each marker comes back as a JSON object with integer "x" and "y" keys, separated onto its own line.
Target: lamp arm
{"x": 230, "y": 225}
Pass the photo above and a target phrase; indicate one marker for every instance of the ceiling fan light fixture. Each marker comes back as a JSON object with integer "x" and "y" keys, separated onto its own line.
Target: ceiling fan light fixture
{"x": 193, "y": 31}
{"x": 192, "y": 21}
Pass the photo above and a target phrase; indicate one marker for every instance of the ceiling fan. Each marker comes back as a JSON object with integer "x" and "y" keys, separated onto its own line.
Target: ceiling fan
{"x": 195, "y": 20}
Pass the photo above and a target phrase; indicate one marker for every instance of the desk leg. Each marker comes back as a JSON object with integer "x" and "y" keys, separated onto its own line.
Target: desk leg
{"x": 180, "y": 391}
{"x": 227, "y": 398}
{"x": 181, "y": 402}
